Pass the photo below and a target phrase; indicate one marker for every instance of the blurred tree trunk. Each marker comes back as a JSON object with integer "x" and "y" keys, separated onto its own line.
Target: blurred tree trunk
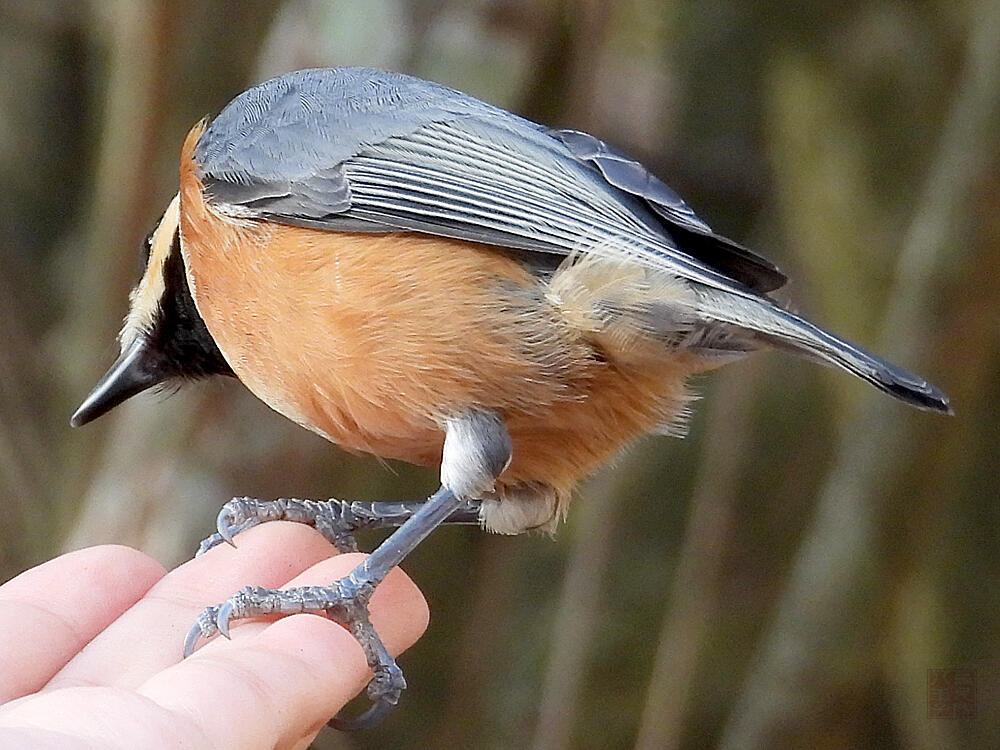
{"x": 828, "y": 608}
{"x": 580, "y": 603}
{"x": 694, "y": 595}
{"x": 42, "y": 165}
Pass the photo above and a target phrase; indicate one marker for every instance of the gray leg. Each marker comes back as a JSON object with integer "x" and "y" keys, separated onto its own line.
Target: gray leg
{"x": 476, "y": 451}
{"x": 337, "y": 520}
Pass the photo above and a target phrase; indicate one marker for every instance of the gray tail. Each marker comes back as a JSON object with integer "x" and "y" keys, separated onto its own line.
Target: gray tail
{"x": 782, "y": 329}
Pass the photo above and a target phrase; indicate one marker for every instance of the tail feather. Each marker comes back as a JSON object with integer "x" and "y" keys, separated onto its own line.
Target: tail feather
{"x": 785, "y": 330}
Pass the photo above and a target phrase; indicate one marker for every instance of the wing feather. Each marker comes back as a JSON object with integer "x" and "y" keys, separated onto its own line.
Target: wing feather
{"x": 440, "y": 162}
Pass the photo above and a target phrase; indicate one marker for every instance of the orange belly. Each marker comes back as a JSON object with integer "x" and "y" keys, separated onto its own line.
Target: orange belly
{"x": 373, "y": 340}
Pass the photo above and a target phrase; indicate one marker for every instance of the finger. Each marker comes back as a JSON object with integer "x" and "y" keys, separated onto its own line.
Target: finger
{"x": 275, "y": 684}
{"x": 394, "y": 588}
{"x": 150, "y": 636}
{"x": 49, "y": 613}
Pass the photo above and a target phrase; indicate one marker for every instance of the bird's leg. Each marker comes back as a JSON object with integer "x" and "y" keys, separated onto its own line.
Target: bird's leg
{"x": 337, "y": 520}
{"x": 476, "y": 451}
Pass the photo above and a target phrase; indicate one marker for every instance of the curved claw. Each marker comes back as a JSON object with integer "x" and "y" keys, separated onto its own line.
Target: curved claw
{"x": 373, "y": 715}
{"x": 222, "y": 618}
{"x": 191, "y": 639}
{"x": 235, "y": 517}
{"x": 224, "y": 527}
{"x": 203, "y": 627}
{"x": 384, "y": 690}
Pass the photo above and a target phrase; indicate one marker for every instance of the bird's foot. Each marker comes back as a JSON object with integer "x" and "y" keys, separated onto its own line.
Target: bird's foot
{"x": 477, "y": 449}
{"x": 346, "y": 602}
{"x": 336, "y": 520}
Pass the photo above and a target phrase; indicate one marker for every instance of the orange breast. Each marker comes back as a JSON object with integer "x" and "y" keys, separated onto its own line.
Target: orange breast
{"x": 372, "y": 340}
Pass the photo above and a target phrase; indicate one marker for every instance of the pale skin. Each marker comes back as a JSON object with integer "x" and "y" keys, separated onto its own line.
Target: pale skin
{"x": 91, "y": 653}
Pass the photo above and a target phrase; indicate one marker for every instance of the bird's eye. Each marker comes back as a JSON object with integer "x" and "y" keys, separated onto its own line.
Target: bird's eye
{"x": 144, "y": 251}
{"x": 146, "y": 247}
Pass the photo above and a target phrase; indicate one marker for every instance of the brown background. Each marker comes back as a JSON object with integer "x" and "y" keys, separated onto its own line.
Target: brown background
{"x": 788, "y": 575}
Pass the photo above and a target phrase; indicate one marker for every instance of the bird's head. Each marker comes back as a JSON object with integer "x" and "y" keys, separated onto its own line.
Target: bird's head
{"x": 164, "y": 339}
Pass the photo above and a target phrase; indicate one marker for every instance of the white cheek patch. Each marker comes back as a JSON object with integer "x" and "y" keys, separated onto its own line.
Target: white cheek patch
{"x": 145, "y": 298}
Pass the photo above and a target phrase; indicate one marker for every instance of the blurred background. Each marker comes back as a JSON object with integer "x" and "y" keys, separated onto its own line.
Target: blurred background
{"x": 814, "y": 566}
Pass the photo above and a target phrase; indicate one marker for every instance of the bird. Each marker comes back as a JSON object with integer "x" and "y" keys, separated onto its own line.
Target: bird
{"x": 413, "y": 273}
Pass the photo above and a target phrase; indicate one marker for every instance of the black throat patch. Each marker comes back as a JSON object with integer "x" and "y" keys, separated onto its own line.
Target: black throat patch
{"x": 179, "y": 333}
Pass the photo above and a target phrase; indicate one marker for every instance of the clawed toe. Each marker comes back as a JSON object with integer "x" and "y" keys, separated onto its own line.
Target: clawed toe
{"x": 346, "y": 602}
{"x": 334, "y": 519}
{"x": 373, "y": 715}
{"x": 384, "y": 691}
{"x": 236, "y": 516}
{"x": 204, "y": 626}
{"x": 247, "y": 602}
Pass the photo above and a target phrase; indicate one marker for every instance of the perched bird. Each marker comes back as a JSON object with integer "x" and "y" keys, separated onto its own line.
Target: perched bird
{"x": 410, "y": 272}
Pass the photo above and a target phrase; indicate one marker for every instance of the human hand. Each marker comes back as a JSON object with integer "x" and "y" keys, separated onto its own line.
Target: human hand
{"x": 92, "y": 641}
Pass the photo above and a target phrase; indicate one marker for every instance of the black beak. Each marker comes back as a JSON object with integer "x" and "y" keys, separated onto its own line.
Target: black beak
{"x": 138, "y": 368}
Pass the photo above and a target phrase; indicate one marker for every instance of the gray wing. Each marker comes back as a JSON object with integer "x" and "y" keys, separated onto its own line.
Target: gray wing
{"x": 694, "y": 235}
{"x": 352, "y": 149}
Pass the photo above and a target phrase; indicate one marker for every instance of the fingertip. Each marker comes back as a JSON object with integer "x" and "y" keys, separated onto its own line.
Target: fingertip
{"x": 271, "y": 686}
{"x": 279, "y": 682}
{"x": 115, "y": 560}
{"x": 126, "y": 560}
{"x": 331, "y": 653}
{"x": 399, "y": 611}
